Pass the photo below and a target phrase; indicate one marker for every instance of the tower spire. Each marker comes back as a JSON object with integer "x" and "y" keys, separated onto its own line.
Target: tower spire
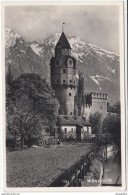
{"x": 63, "y": 27}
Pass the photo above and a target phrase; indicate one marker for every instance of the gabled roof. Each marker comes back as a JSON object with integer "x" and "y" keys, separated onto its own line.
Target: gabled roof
{"x": 63, "y": 42}
{"x": 71, "y": 120}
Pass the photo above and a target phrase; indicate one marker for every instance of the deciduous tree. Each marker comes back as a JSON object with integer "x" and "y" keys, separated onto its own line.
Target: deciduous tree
{"x": 112, "y": 125}
{"x": 31, "y": 107}
{"x": 95, "y": 121}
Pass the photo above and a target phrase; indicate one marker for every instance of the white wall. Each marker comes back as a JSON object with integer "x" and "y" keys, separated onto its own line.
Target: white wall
{"x": 87, "y": 129}
{"x": 71, "y": 130}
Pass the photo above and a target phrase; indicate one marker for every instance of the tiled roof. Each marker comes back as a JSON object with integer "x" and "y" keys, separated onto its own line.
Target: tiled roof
{"x": 63, "y": 42}
{"x": 71, "y": 120}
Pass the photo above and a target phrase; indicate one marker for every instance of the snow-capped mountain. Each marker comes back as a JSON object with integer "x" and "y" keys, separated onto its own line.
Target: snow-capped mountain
{"x": 99, "y": 67}
{"x": 22, "y": 58}
{"x": 10, "y": 37}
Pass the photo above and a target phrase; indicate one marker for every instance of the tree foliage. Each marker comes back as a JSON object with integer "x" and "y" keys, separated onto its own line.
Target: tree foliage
{"x": 114, "y": 108}
{"x": 95, "y": 121}
{"x": 31, "y": 107}
{"x": 117, "y": 107}
{"x": 112, "y": 125}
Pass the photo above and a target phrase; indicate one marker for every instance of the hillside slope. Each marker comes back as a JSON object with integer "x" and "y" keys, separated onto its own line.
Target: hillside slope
{"x": 99, "y": 67}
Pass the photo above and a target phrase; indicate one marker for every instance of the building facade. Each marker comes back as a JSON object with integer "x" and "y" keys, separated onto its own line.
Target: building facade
{"x": 75, "y": 127}
{"x": 63, "y": 76}
{"x": 95, "y": 102}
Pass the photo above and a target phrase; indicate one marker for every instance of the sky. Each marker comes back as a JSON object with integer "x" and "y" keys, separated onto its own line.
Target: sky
{"x": 96, "y": 24}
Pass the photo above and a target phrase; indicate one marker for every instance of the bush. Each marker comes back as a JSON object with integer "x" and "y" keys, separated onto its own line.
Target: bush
{"x": 95, "y": 121}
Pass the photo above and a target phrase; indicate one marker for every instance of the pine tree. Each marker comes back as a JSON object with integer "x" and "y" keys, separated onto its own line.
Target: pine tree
{"x": 80, "y": 94}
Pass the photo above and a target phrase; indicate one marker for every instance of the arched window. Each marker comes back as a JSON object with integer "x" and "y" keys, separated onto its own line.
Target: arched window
{"x": 64, "y": 70}
{"x": 70, "y": 62}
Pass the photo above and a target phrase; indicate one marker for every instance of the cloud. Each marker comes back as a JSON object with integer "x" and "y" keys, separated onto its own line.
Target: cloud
{"x": 94, "y": 24}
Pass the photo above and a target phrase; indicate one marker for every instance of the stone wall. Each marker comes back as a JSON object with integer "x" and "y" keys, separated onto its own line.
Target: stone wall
{"x": 66, "y": 98}
{"x": 95, "y": 102}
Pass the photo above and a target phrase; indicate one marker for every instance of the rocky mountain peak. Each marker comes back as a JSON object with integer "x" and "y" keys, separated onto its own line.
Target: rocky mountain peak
{"x": 10, "y": 37}
{"x": 99, "y": 66}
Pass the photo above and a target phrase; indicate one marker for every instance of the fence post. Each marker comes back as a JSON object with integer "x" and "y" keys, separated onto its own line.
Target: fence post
{"x": 66, "y": 183}
{"x": 72, "y": 181}
{"x": 84, "y": 169}
{"x": 81, "y": 170}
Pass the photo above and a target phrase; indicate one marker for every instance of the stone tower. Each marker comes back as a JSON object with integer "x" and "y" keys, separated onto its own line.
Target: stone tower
{"x": 95, "y": 102}
{"x": 63, "y": 76}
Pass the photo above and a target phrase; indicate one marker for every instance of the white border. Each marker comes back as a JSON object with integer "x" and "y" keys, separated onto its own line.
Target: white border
{"x": 122, "y": 5}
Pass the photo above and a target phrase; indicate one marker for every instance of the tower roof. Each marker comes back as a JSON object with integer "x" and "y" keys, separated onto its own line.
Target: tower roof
{"x": 63, "y": 42}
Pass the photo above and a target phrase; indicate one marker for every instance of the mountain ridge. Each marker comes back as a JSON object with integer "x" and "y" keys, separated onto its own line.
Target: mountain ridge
{"x": 99, "y": 66}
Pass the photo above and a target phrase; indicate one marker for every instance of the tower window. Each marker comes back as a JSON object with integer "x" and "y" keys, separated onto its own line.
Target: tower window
{"x": 70, "y": 94}
{"x": 64, "y": 81}
{"x": 70, "y": 62}
{"x": 71, "y": 113}
{"x": 64, "y": 70}
{"x": 70, "y": 81}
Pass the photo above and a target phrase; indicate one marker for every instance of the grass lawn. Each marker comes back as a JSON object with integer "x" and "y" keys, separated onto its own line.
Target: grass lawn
{"x": 39, "y": 167}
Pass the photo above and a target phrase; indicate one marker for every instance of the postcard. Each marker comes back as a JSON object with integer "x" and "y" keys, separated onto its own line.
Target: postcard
{"x": 63, "y": 79}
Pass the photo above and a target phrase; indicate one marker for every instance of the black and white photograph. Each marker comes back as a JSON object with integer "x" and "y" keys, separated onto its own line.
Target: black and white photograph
{"x": 64, "y": 97}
